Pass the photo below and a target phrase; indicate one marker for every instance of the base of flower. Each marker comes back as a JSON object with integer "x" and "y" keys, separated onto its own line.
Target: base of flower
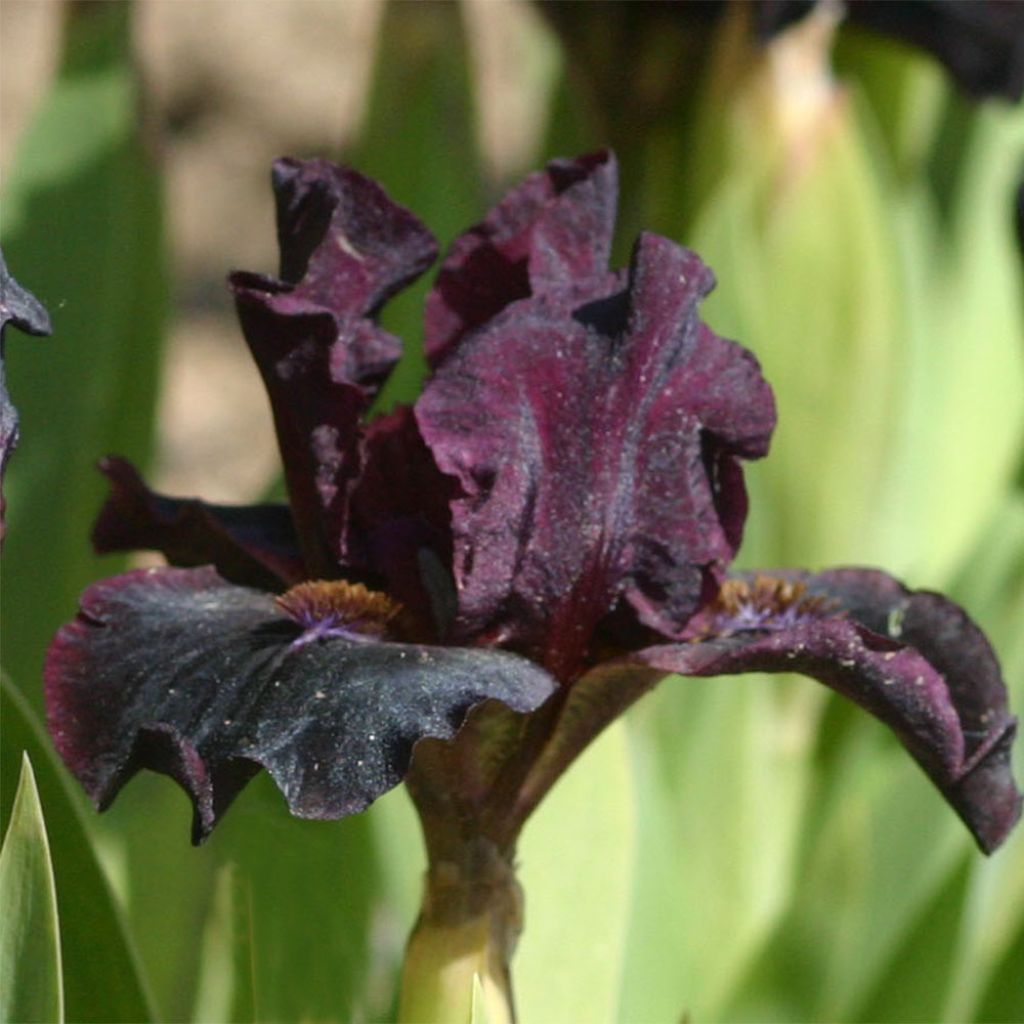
{"x": 468, "y": 927}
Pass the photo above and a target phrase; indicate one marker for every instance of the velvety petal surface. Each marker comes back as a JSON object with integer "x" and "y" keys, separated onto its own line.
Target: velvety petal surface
{"x": 399, "y": 527}
{"x": 253, "y": 545}
{"x": 552, "y": 232}
{"x": 178, "y": 671}
{"x": 912, "y": 659}
{"x": 345, "y": 248}
{"x": 23, "y": 310}
{"x": 596, "y": 450}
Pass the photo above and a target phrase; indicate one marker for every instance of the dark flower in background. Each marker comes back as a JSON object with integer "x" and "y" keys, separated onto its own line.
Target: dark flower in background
{"x": 980, "y": 42}
{"x": 542, "y": 537}
{"x": 22, "y": 309}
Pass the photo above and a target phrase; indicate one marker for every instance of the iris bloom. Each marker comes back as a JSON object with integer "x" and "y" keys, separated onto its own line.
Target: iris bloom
{"x": 487, "y": 578}
{"x": 24, "y": 311}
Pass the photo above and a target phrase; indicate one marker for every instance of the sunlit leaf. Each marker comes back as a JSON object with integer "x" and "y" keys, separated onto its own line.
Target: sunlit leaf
{"x": 102, "y": 979}
{"x": 31, "y": 987}
{"x": 82, "y": 223}
{"x": 577, "y": 860}
{"x": 479, "y": 1006}
{"x": 720, "y": 780}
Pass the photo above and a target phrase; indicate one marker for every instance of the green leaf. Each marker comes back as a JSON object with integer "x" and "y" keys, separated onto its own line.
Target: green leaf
{"x": 720, "y": 781}
{"x": 948, "y": 467}
{"x": 82, "y": 227}
{"x": 102, "y": 980}
{"x": 577, "y": 860}
{"x": 1003, "y": 1001}
{"x": 31, "y": 988}
{"x": 292, "y": 908}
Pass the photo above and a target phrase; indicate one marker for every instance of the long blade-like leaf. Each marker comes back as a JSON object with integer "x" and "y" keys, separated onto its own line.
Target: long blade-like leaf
{"x": 31, "y": 988}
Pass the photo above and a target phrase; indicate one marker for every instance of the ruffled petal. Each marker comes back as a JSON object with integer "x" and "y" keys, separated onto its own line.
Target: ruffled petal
{"x": 595, "y": 448}
{"x": 23, "y": 310}
{"x": 345, "y": 248}
{"x": 253, "y": 545}
{"x": 178, "y": 671}
{"x": 912, "y": 659}
{"x": 552, "y": 232}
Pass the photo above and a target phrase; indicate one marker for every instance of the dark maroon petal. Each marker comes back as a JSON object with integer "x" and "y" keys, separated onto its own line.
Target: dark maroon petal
{"x": 178, "y": 671}
{"x": 315, "y": 415}
{"x": 912, "y": 659}
{"x": 23, "y": 310}
{"x": 252, "y": 545}
{"x": 345, "y": 248}
{"x": 595, "y": 450}
{"x": 551, "y": 232}
{"x": 400, "y": 523}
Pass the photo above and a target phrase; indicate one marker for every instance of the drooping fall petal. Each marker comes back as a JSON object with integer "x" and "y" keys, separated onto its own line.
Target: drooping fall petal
{"x": 912, "y": 659}
{"x": 252, "y": 545}
{"x": 596, "y": 447}
{"x": 178, "y": 671}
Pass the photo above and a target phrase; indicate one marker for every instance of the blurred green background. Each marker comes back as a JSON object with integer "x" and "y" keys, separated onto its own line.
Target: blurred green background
{"x": 738, "y": 850}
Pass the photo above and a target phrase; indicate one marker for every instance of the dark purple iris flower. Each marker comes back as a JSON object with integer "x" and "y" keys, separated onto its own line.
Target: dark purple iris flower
{"x": 507, "y": 564}
{"x": 22, "y": 309}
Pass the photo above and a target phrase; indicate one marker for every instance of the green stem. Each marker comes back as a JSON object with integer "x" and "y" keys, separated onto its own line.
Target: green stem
{"x": 464, "y": 939}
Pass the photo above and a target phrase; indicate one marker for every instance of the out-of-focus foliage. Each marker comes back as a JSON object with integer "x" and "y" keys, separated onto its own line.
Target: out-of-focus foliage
{"x": 738, "y": 850}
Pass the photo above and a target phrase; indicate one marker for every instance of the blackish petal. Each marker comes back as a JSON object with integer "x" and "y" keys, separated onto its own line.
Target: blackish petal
{"x": 345, "y": 248}
{"x": 553, "y": 231}
{"x": 178, "y": 671}
{"x": 252, "y": 545}
{"x": 912, "y": 659}
{"x": 23, "y": 310}
{"x": 596, "y": 451}
{"x": 981, "y": 42}
{"x": 399, "y": 528}
{"x": 316, "y": 415}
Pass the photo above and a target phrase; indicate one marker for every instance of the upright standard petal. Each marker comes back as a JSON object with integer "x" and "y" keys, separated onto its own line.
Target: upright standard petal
{"x": 24, "y": 311}
{"x": 596, "y": 450}
{"x": 345, "y": 248}
{"x": 178, "y": 671}
{"x": 253, "y": 545}
{"x": 552, "y": 232}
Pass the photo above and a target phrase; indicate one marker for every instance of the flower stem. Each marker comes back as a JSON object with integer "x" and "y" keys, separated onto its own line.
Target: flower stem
{"x": 468, "y": 926}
